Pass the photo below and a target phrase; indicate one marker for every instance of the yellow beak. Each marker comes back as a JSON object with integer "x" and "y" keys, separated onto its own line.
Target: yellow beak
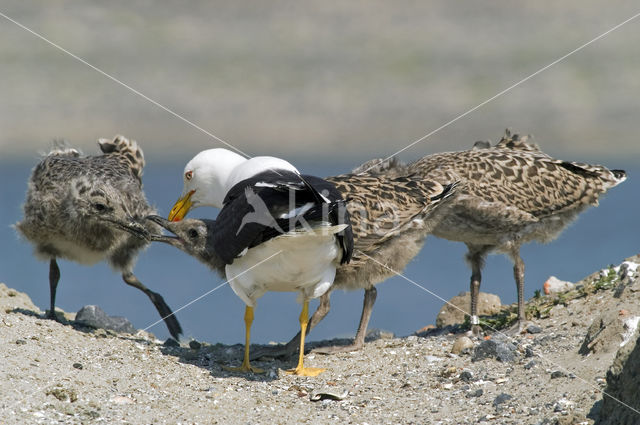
{"x": 181, "y": 207}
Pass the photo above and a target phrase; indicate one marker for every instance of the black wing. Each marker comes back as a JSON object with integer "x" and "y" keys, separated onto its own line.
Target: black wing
{"x": 338, "y": 214}
{"x": 255, "y": 211}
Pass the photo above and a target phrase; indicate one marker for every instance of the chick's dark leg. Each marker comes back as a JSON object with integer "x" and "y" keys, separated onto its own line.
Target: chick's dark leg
{"x": 475, "y": 257}
{"x": 161, "y": 306}
{"x": 54, "y": 278}
{"x": 292, "y": 346}
{"x": 518, "y": 274}
{"x": 370, "y": 295}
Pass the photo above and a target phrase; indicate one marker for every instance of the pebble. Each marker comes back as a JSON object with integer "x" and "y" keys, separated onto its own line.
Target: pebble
{"x": 463, "y": 345}
{"x": 195, "y": 344}
{"x": 63, "y": 394}
{"x": 122, "y": 400}
{"x": 563, "y": 405}
{"x": 528, "y": 352}
{"x": 170, "y": 342}
{"x": 448, "y": 371}
{"x": 78, "y": 366}
{"x": 375, "y": 334}
{"x": 531, "y": 365}
{"x": 20, "y": 341}
{"x": 466, "y": 376}
{"x": 328, "y": 394}
{"x": 475, "y": 393}
{"x": 95, "y": 317}
{"x": 496, "y": 347}
{"x": 502, "y": 398}
{"x": 558, "y": 374}
{"x": 554, "y": 285}
{"x": 533, "y": 329}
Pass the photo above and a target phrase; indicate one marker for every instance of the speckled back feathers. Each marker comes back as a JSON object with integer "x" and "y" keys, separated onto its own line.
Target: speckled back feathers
{"x": 504, "y": 188}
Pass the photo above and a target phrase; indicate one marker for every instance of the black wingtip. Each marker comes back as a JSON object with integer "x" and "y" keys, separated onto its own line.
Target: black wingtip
{"x": 619, "y": 174}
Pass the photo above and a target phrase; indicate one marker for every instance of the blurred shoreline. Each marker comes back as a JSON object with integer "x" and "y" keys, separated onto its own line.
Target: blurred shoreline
{"x": 332, "y": 79}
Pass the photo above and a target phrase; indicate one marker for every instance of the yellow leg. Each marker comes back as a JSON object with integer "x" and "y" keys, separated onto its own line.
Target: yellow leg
{"x": 246, "y": 366}
{"x": 300, "y": 370}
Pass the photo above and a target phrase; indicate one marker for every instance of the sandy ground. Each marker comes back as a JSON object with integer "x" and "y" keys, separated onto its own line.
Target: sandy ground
{"x": 65, "y": 373}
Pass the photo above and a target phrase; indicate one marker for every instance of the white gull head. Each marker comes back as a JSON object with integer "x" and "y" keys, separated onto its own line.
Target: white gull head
{"x": 211, "y": 173}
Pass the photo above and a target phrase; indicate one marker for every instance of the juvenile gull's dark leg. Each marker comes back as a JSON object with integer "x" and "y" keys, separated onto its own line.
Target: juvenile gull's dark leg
{"x": 518, "y": 274}
{"x": 165, "y": 311}
{"x": 475, "y": 257}
{"x": 370, "y": 295}
{"x": 54, "y": 278}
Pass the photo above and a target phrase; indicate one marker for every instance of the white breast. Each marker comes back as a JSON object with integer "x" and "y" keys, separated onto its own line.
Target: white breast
{"x": 73, "y": 251}
{"x": 302, "y": 262}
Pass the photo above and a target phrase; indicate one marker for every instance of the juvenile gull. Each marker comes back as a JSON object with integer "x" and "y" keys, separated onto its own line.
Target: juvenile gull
{"x": 78, "y": 208}
{"x": 510, "y": 194}
{"x": 390, "y": 210}
{"x": 276, "y": 231}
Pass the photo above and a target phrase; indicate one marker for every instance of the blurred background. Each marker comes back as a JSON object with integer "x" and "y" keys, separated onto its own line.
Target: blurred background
{"x": 327, "y": 86}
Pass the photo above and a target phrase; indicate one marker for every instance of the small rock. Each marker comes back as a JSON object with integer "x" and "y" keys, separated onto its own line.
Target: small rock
{"x": 533, "y": 329}
{"x": 448, "y": 371}
{"x": 425, "y": 329}
{"x": 63, "y": 394}
{"x": 501, "y": 399}
{"x": 78, "y": 366}
{"x": 605, "y": 333}
{"x": 170, "y": 342}
{"x": 497, "y": 347}
{"x": 475, "y": 393}
{"x": 95, "y": 317}
{"x": 328, "y": 394}
{"x": 528, "y": 352}
{"x": 553, "y": 285}
{"x": 563, "y": 405}
{"x": 466, "y": 376}
{"x": 558, "y": 374}
{"x": 194, "y": 344}
{"x": 20, "y": 342}
{"x": 375, "y": 334}
{"x": 122, "y": 400}
{"x": 453, "y": 311}
{"x": 531, "y": 365}
{"x": 462, "y": 345}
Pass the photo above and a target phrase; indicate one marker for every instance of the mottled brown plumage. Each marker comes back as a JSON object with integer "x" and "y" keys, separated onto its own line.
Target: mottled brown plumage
{"x": 510, "y": 194}
{"x": 78, "y": 206}
{"x": 391, "y": 210}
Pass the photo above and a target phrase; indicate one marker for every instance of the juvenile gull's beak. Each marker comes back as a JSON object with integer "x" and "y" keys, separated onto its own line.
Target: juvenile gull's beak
{"x": 181, "y": 207}
{"x": 132, "y": 227}
{"x": 166, "y": 224}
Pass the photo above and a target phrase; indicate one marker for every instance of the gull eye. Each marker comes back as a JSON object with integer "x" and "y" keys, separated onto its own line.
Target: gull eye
{"x": 193, "y": 233}
{"x": 188, "y": 175}
{"x": 100, "y": 207}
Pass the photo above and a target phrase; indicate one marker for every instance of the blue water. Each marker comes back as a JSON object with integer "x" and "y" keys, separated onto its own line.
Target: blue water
{"x": 601, "y": 236}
